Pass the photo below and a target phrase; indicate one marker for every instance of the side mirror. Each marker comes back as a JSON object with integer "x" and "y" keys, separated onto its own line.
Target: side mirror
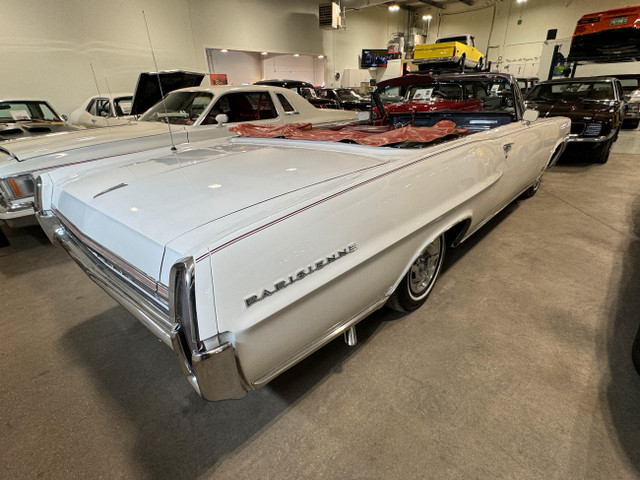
{"x": 530, "y": 115}
{"x": 221, "y": 118}
{"x": 65, "y": 118}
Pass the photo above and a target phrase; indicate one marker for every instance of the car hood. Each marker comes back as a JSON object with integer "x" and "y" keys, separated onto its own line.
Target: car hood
{"x": 573, "y": 110}
{"x": 27, "y": 148}
{"x": 136, "y": 210}
{"x": 14, "y": 130}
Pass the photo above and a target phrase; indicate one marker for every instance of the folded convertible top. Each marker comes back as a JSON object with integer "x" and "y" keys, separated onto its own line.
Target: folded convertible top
{"x": 374, "y": 136}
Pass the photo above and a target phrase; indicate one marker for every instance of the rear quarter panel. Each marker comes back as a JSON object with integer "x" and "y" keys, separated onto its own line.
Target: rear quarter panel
{"x": 388, "y": 217}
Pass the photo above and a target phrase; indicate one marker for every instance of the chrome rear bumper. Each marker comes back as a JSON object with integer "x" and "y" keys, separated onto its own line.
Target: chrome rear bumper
{"x": 212, "y": 370}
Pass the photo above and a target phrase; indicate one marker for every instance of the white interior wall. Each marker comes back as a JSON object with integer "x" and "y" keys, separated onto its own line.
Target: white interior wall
{"x": 240, "y": 67}
{"x": 47, "y": 47}
{"x": 520, "y": 45}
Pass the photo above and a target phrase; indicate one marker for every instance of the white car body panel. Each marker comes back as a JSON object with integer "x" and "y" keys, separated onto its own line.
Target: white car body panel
{"x": 253, "y": 213}
{"x": 37, "y": 155}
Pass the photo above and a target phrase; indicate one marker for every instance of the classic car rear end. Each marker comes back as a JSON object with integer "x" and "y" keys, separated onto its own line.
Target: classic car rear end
{"x": 191, "y": 114}
{"x": 270, "y": 248}
{"x": 609, "y": 34}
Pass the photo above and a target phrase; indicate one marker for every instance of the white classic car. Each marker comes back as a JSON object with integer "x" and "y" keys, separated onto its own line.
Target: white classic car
{"x": 103, "y": 111}
{"x": 246, "y": 255}
{"x": 184, "y": 116}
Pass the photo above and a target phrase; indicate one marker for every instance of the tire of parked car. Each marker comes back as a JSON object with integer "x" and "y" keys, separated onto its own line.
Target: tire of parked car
{"x": 600, "y": 154}
{"x": 631, "y": 124}
{"x": 480, "y": 64}
{"x": 416, "y": 285}
{"x": 531, "y": 191}
{"x": 461, "y": 65}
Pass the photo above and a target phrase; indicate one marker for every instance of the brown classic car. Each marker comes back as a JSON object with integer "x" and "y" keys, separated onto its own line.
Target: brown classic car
{"x": 595, "y": 106}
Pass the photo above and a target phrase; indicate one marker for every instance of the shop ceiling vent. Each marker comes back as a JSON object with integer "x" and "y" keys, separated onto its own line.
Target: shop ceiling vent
{"x": 329, "y": 15}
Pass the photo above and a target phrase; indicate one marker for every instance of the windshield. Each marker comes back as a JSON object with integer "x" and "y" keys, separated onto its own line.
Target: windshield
{"x": 434, "y": 91}
{"x": 562, "y": 92}
{"x": 349, "y": 95}
{"x": 179, "y": 108}
{"x": 27, "y": 111}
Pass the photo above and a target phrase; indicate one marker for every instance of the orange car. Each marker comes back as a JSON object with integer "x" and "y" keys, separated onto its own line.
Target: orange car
{"x": 611, "y": 35}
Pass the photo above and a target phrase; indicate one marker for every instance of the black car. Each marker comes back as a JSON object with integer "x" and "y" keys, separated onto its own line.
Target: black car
{"x": 304, "y": 89}
{"x": 21, "y": 118}
{"x": 347, "y": 98}
{"x": 595, "y": 106}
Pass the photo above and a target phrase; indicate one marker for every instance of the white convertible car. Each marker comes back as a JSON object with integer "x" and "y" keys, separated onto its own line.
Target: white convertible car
{"x": 247, "y": 254}
{"x": 184, "y": 116}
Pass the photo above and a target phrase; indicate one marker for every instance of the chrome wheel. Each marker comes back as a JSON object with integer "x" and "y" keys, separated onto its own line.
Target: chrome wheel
{"x": 424, "y": 270}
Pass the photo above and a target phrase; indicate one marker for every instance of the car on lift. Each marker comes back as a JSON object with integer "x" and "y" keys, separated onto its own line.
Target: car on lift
{"x": 304, "y": 89}
{"x": 26, "y": 118}
{"x": 456, "y": 51}
{"x": 595, "y": 106}
{"x": 608, "y": 36}
{"x": 247, "y": 255}
{"x": 347, "y": 98}
{"x": 183, "y": 116}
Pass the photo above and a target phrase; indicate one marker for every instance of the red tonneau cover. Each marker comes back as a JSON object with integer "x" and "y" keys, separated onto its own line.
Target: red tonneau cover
{"x": 374, "y": 136}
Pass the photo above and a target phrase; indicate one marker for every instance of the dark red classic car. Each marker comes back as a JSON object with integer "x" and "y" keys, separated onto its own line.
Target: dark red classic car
{"x": 401, "y": 101}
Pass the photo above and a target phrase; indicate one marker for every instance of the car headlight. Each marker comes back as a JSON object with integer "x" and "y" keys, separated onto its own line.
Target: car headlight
{"x": 20, "y": 186}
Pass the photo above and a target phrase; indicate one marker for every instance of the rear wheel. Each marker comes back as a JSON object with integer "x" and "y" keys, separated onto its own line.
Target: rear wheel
{"x": 480, "y": 64}
{"x": 601, "y": 153}
{"x": 415, "y": 287}
{"x": 631, "y": 124}
{"x": 461, "y": 65}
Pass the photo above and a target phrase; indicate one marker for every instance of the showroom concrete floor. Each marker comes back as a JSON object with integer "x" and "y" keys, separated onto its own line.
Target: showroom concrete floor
{"x": 518, "y": 366}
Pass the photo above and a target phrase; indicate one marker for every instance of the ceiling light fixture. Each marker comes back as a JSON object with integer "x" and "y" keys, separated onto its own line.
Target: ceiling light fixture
{"x": 394, "y": 8}
{"x": 224, "y": 50}
{"x": 521, "y": 1}
{"x": 264, "y": 53}
{"x": 427, "y": 18}
{"x": 296, "y": 54}
{"x": 320, "y": 57}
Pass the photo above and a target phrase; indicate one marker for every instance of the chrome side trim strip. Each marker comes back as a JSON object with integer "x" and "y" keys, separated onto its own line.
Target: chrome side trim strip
{"x": 335, "y": 331}
{"x": 151, "y": 312}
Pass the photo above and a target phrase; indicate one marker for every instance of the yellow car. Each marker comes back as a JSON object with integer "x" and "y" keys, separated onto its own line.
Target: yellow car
{"x": 457, "y": 50}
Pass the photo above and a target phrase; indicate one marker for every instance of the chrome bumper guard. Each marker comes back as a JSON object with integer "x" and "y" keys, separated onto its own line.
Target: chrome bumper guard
{"x": 212, "y": 370}
{"x": 575, "y": 138}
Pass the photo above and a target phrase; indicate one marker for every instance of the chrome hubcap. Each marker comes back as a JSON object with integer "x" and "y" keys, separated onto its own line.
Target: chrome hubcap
{"x": 424, "y": 269}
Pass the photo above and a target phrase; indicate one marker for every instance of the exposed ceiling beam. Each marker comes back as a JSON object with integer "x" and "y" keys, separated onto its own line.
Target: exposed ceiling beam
{"x": 431, "y": 3}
